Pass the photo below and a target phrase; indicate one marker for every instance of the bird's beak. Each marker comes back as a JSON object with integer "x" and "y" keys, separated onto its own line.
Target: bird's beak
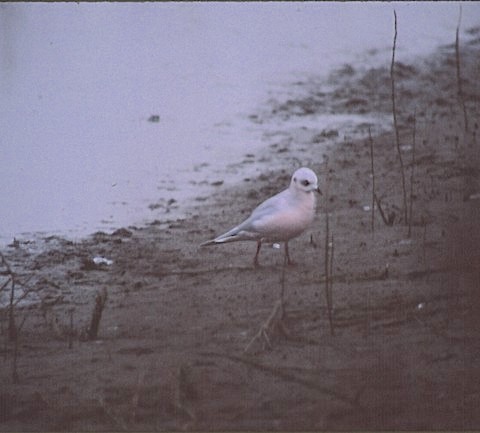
{"x": 319, "y": 190}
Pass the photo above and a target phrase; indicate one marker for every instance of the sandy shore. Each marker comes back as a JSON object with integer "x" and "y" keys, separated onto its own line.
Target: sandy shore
{"x": 170, "y": 351}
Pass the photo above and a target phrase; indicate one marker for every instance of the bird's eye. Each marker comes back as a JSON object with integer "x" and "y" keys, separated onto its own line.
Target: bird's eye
{"x": 305, "y": 182}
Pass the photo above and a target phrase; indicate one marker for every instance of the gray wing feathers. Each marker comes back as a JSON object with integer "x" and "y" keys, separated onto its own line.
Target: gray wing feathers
{"x": 247, "y": 230}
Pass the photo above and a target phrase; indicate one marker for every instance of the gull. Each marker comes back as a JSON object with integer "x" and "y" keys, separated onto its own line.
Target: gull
{"x": 280, "y": 218}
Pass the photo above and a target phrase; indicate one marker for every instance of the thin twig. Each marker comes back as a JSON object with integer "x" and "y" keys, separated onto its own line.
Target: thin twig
{"x": 181, "y": 394}
{"x": 461, "y": 98}
{"x": 373, "y": 180}
{"x": 282, "y": 283}
{"x": 330, "y": 292}
{"x": 395, "y": 124}
{"x": 274, "y": 319}
{"x": 12, "y": 328}
{"x": 327, "y": 260}
{"x": 424, "y": 243}
{"x": 331, "y": 266}
{"x": 382, "y": 213}
{"x": 15, "y": 298}
{"x": 5, "y": 284}
{"x": 71, "y": 330}
{"x": 15, "y": 377}
{"x": 91, "y": 332}
{"x": 411, "y": 173}
{"x": 136, "y": 395}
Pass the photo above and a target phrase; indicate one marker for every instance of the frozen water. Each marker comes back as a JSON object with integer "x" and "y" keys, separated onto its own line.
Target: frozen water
{"x": 108, "y": 107}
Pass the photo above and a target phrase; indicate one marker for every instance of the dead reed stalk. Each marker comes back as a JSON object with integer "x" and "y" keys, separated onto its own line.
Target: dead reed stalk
{"x": 71, "y": 331}
{"x": 424, "y": 221}
{"x": 13, "y": 328}
{"x": 370, "y": 139}
{"x": 92, "y": 330}
{"x": 461, "y": 99}
{"x": 330, "y": 291}
{"x": 412, "y": 174}
{"x": 282, "y": 284}
{"x": 387, "y": 219}
{"x": 328, "y": 295}
{"x": 136, "y": 395}
{"x": 395, "y": 123}
{"x": 275, "y": 321}
{"x": 273, "y": 324}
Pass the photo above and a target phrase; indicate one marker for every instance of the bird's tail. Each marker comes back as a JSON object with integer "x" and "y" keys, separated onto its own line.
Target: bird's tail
{"x": 230, "y": 236}
{"x": 207, "y": 243}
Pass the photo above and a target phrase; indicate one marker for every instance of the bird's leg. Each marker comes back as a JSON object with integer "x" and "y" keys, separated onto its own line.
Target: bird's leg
{"x": 255, "y": 260}
{"x": 287, "y": 256}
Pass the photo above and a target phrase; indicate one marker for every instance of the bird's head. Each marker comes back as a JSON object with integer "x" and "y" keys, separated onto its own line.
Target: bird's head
{"x": 305, "y": 180}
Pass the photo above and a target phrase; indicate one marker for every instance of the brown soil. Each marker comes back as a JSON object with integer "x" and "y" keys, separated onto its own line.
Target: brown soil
{"x": 170, "y": 352}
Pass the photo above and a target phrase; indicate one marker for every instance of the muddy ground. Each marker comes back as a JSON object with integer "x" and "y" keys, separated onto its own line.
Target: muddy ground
{"x": 170, "y": 351}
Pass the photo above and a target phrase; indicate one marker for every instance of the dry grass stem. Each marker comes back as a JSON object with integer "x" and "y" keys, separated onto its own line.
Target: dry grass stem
{"x": 136, "y": 395}
{"x": 330, "y": 292}
{"x": 328, "y": 296}
{"x": 370, "y": 139}
{"x": 461, "y": 98}
{"x": 412, "y": 174}
{"x": 182, "y": 392}
{"x": 395, "y": 122}
{"x": 388, "y": 220}
{"x": 92, "y": 330}
{"x": 273, "y": 324}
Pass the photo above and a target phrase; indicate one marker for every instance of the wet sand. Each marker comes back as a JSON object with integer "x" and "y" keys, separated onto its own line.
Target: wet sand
{"x": 170, "y": 351}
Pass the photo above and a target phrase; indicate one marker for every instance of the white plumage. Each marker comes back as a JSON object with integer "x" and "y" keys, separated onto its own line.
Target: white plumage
{"x": 280, "y": 218}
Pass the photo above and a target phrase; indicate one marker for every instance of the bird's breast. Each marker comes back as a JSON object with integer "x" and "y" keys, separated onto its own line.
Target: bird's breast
{"x": 290, "y": 222}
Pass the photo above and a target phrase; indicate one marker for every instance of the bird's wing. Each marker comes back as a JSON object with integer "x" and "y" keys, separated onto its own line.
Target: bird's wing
{"x": 266, "y": 213}
{"x": 253, "y": 227}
